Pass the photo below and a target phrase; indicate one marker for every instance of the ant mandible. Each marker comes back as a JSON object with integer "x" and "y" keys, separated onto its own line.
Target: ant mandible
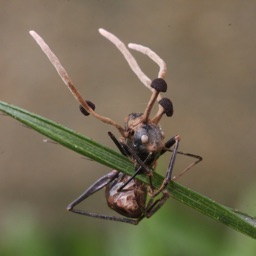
{"x": 142, "y": 142}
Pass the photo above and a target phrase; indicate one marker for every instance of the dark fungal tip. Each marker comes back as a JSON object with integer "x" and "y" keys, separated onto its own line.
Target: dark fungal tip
{"x": 167, "y": 105}
{"x": 85, "y": 112}
{"x": 159, "y": 85}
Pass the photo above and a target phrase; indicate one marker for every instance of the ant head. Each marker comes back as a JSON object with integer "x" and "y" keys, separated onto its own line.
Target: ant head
{"x": 144, "y": 138}
{"x": 144, "y": 135}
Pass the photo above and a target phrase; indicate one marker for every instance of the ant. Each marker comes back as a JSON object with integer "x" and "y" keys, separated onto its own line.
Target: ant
{"x": 142, "y": 142}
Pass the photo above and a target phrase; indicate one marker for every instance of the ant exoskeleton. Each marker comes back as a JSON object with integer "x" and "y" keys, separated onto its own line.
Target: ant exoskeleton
{"x": 142, "y": 142}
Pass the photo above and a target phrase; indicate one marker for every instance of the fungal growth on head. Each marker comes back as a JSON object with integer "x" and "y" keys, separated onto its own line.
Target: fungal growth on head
{"x": 157, "y": 85}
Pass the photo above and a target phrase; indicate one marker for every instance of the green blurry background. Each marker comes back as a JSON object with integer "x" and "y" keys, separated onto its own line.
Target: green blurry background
{"x": 210, "y": 50}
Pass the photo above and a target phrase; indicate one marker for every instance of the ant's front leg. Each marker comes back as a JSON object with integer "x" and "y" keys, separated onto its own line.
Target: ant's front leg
{"x": 122, "y": 147}
{"x": 168, "y": 176}
{"x": 129, "y": 152}
{"x": 198, "y": 158}
{"x": 175, "y": 141}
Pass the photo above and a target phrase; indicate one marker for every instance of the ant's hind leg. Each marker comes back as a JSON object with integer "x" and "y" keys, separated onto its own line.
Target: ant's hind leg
{"x": 154, "y": 206}
{"x": 99, "y": 184}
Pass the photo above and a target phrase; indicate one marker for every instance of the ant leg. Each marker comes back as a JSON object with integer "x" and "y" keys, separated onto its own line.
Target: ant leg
{"x": 170, "y": 168}
{"x": 138, "y": 171}
{"x": 199, "y": 159}
{"x": 99, "y": 184}
{"x": 154, "y": 206}
{"x": 127, "y": 151}
{"x": 169, "y": 144}
{"x": 119, "y": 145}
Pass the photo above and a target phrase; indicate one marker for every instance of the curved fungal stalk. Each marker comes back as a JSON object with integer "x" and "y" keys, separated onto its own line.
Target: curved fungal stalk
{"x": 131, "y": 60}
{"x": 137, "y": 70}
{"x": 128, "y": 56}
{"x": 66, "y": 79}
{"x": 153, "y": 56}
{"x": 156, "y": 86}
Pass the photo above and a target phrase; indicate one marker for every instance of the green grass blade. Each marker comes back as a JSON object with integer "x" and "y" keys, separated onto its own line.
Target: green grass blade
{"x": 84, "y": 146}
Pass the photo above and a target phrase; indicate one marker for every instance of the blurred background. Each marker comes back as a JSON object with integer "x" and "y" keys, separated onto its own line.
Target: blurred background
{"x": 209, "y": 48}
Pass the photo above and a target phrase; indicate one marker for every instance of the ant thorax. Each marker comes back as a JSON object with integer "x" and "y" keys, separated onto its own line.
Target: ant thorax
{"x": 145, "y": 138}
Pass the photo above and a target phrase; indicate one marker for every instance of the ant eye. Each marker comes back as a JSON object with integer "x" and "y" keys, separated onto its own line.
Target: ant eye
{"x": 144, "y": 139}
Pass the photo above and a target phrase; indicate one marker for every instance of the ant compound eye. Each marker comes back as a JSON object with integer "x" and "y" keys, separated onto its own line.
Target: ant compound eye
{"x": 144, "y": 139}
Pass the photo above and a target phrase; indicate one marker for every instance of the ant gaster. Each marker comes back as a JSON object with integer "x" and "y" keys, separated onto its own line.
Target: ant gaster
{"x": 142, "y": 142}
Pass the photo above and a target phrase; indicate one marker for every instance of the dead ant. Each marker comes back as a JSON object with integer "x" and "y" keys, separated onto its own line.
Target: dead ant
{"x": 142, "y": 142}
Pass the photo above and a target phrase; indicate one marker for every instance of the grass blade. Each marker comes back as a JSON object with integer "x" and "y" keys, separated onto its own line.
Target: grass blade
{"x": 84, "y": 146}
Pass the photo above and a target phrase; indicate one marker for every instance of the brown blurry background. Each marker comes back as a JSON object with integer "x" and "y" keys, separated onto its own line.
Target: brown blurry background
{"x": 210, "y": 51}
